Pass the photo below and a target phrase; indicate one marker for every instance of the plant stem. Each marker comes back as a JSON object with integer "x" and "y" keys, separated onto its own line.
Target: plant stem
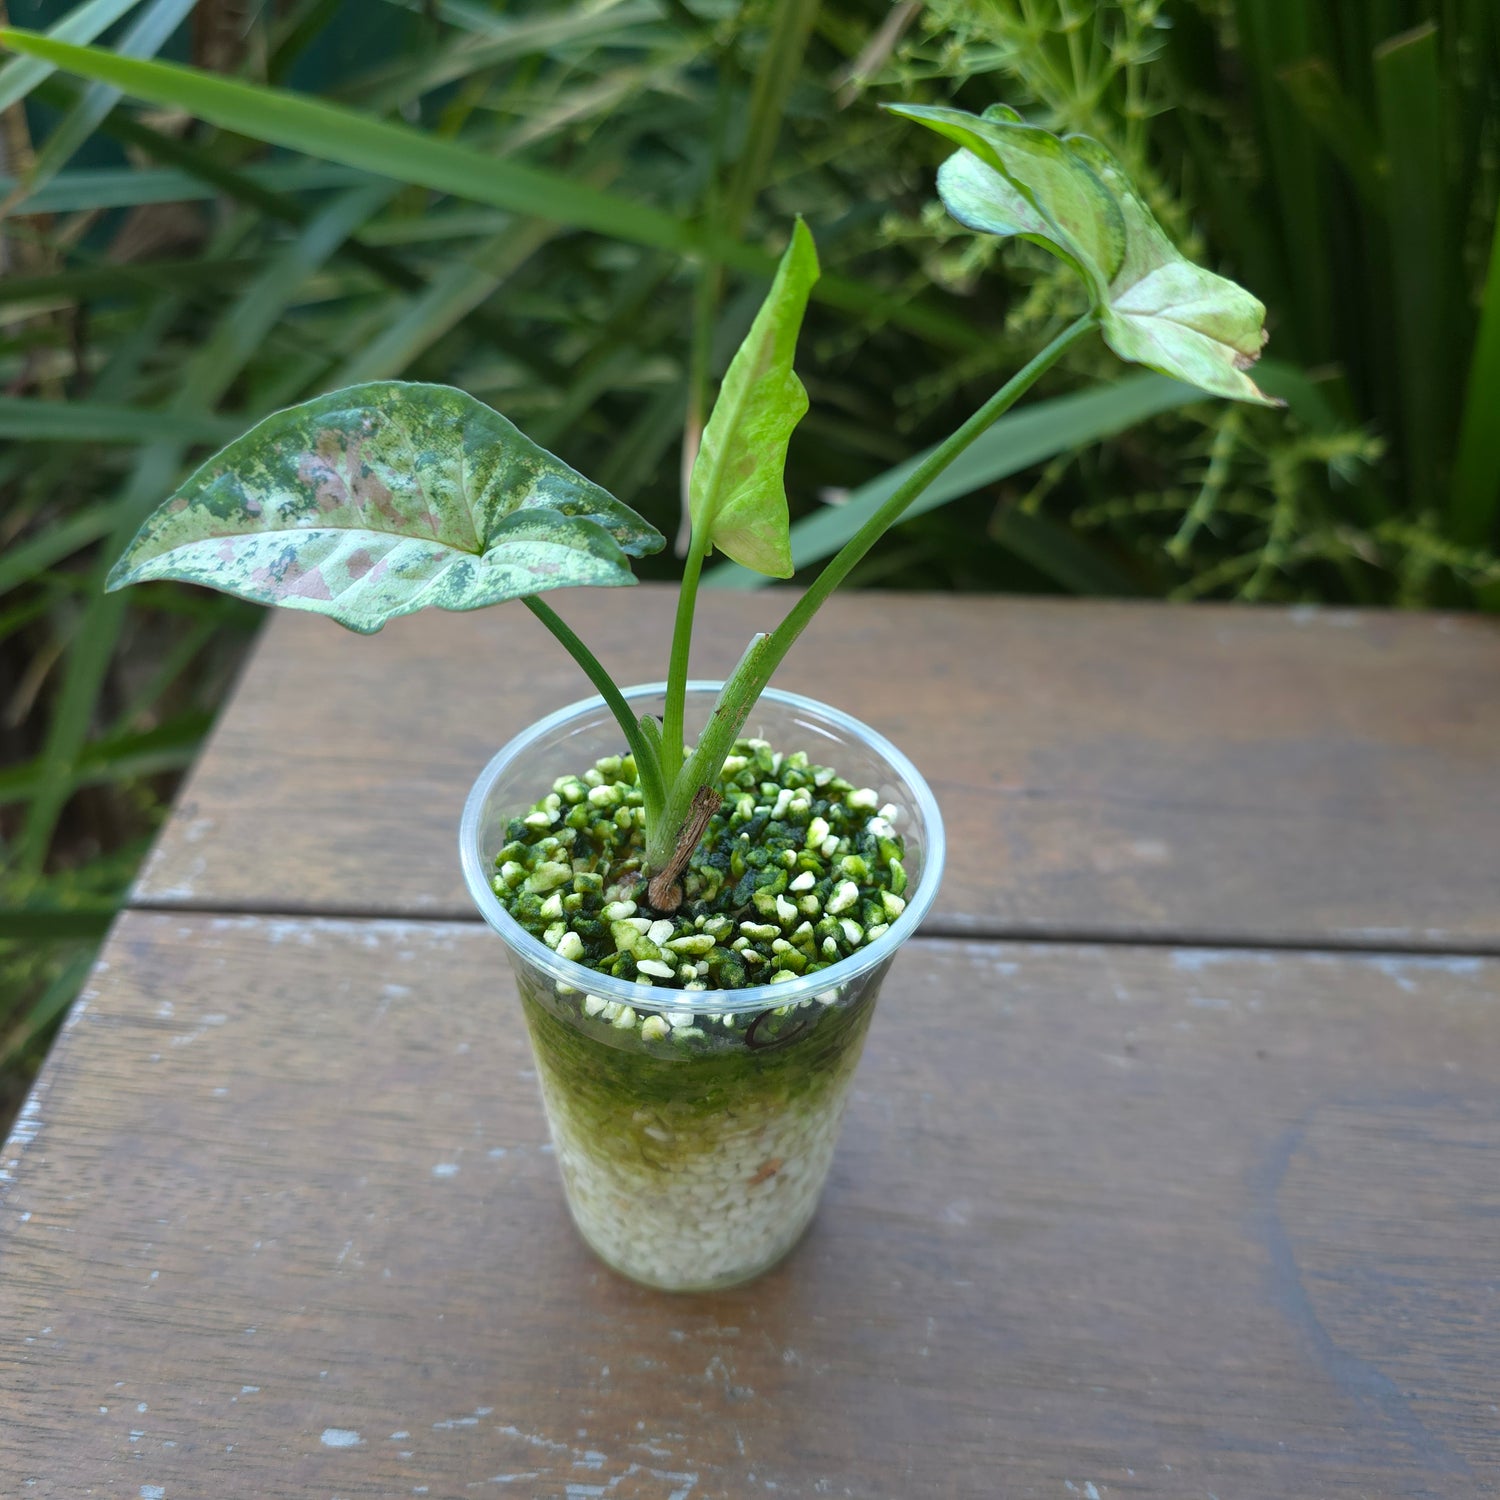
{"x": 648, "y": 769}
{"x": 677, "y": 667}
{"x": 742, "y": 690}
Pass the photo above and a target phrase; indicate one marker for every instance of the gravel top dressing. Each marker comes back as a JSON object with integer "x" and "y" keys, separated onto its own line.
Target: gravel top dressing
{"x": 797, "y": 869}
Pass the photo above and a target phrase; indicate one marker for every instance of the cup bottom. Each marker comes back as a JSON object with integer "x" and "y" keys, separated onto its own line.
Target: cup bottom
{"x": 695, "y": 1175}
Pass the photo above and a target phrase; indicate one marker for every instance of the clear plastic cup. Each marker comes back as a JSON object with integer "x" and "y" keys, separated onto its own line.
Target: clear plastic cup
{"x": 691, "y": 1167}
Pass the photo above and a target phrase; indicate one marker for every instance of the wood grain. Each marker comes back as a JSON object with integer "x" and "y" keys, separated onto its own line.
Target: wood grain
{"x": 1105, "y": 1221}
{"x": 1117, "y": 770}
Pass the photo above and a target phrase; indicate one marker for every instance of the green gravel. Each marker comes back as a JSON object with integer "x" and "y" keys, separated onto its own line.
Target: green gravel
{"x": 797, "y": 870}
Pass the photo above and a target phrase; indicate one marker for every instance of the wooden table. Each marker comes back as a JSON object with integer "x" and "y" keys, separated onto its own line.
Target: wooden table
{"x": 1216, "y": 1212}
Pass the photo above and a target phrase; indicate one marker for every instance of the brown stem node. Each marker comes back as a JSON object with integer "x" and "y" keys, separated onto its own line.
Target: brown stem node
{"x": 664, "y": 893}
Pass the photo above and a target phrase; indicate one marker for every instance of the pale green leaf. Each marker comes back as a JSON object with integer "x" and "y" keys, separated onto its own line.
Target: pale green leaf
{"x": 737, "y": 493}
{"x": 1072, "y": 196}
{"x": 1167, "y": 313}
{"x": 384, "y": 499}
{"x": 1012, "y": 178}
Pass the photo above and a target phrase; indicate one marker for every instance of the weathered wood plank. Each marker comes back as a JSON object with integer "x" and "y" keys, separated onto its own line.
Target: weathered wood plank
{"x": 1117, "y": 770}
{"x": 1105, "y": 1221}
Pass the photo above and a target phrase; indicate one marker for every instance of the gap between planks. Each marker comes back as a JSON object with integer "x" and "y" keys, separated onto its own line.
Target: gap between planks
{"x": 1395, "y": 944}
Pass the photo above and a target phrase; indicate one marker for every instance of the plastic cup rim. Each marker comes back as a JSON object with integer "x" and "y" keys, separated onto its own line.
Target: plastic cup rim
{"x": 657, "y": 999}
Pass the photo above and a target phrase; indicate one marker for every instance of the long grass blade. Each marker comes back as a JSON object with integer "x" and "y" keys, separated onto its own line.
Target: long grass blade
{"x": 1054, "y": 551}
{"x": 146, "y": 36}
{"x": 53, "y": 1002}
{"x": 492, "y": 41}
{"x": 1340, "y": 124}
{"x": 1272, "y": 36}
{"x": 1475, "y": 502}
{"x": 1409, "y": 91}
{"x": 27, "y": 560}
{"x": 168, "y": 747}
{"x": 335, "y": 133}
{"x": 453, "y": 293}
{"x": 205, "y": 377}
{"x": 51, "y": 924}
{"x": 22, "y": 74}
{"x": 40, "y": 421}
{"x": 125, "y": 187}
{"x": 338, "y": 134}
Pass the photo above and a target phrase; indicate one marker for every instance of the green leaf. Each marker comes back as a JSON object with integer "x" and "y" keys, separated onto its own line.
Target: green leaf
{"x": 39, "y": 421}
{"x": 33, "y": 924}
{"x": 126, "y": 187}
{"x": 148, "y": 33}
{"x": 1015, "y": 442}
{"x": 344, "y": 135}
{"x": 1474, "y": 505}
{"x": 1431, "y": 322}
{"x": 1073, "y": 197}
{"x": 1339, "y": 123}
{"x": 384, "y": 499}
{"x": 1012, "y": 178}
{"x": 81, "y": 24}
{"x": 737, "y": 493}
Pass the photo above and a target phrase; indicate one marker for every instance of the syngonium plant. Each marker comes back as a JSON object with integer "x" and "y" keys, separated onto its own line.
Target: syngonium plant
{"x": 386, "y": 498}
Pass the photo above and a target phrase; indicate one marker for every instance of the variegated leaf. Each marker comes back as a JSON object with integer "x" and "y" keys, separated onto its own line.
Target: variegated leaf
{"x": 1015, "y": 178}
{"x": 1073, "y": 197}
{"x": 383, "y": 499}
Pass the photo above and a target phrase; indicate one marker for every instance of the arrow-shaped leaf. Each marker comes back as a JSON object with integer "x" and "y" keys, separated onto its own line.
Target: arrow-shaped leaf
{"x": 1015, "y": 178}
{"x": 383, "y": 499}
{"x": 1167, "y": 313}
{"x": 1072, "y": 196}
{"x": 737, "y": 493}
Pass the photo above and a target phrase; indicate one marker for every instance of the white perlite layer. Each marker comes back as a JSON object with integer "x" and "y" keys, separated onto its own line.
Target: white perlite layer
{"x": 711, "y": 1217}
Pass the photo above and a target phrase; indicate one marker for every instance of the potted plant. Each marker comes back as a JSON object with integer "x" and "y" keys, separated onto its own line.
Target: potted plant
{"x": 700, "y": 885}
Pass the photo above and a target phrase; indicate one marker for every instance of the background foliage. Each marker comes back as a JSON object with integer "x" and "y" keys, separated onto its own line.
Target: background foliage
{"x": 591, "y": 264}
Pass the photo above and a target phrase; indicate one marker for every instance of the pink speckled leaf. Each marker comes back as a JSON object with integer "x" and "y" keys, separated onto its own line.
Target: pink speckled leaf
{"x": 383, "y": 499}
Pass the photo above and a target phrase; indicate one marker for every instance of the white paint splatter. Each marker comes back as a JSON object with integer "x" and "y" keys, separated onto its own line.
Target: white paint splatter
{"x": 534, "y": 1438}
{"x": 445, "y": 1169}
{"x": 341, "y": 1437}
{"x": 28, "y": 1123}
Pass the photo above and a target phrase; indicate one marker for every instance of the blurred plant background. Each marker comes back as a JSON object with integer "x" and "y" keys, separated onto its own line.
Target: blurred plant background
{"x": 574, "y": 225}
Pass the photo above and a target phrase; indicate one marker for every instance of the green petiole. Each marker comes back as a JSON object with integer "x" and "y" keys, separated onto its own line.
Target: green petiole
{"x": 385, "y": 498}
{"x": 765, "y": 653}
